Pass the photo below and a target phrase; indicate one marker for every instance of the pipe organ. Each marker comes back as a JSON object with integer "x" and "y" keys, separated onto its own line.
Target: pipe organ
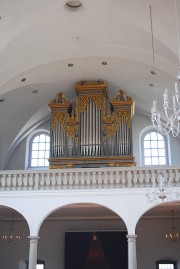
{"x": 95, "y": 132}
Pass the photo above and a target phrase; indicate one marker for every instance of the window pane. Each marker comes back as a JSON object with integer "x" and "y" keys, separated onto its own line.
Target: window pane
{"x": 147, "y": 152}
{"x": 41, "y": 154}
{"x": 42, "y": 138}
{"x": 161, "y": 144}
{"x": 155, "y": 161}
{"x": 35, "y": 146}
{"x": 160, "y": 137}
{"x": 162, "y": 160}
{"x": 147, "y": 144}
{"x": 154, "y": 153}
{"x": 46, "y": 163}
{"x": 36, "y": 139}
{"x": 166, "y": 266}
{"x": 154, "y": 144}
{"x": 162, "y": 152}
{"x": 147, "y": 161}
{"x": 41, "y": 162}
{"x": 47, "y": 146}
{"x": 47, "y": 139}
{"x": 42, "y": 146}
{"x": 34, "y": 163}
{"x": 46, "y": 155}
{"x": 147, "y": 137}
{"x": 154, "y": 136}
{"x": 39, "y": 266}
{"x": 34, "y": 154}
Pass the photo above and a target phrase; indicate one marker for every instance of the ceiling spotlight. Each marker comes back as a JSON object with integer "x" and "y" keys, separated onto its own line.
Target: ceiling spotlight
{"x": 2, "y": 100}
{"x": 35, "y": 91}
{"x": 70, "y": 65}
{"x": 153, "y": 72}
{"x": 151, "y": 84}
{"x": 104, "y": 63}
{"x": 73, "y": 4}
{"x": 23, "y": 79}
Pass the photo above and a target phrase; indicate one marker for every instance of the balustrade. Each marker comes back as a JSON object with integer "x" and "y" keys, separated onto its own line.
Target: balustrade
{"x": 86, "y": 178}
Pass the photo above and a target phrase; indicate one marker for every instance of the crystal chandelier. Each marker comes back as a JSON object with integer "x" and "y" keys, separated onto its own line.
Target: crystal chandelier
{"x": 11, "y": 237}
{"x": 172, "y": 236}
{"x": 162, "y": 190}
{"x": 172, "y": 111}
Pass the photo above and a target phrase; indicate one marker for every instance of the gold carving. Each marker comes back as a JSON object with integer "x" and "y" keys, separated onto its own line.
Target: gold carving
{"x": 123, "y": 164}
{"x": 96, "y": 99}
{"x": 123, "y": 114}
{"x": 84, "y": 102}
{"x": 60, "y": 99}
{"x": 58, "y": 116}
{"x": 110, "y": 130}
{"x": 121, "y": 96}
{"x": 56, "y": 166}
{"x": 90, "y": 82}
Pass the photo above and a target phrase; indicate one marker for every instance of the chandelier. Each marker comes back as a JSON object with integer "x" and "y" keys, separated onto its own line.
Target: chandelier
{"x": 11, "y": 237}
{"x": 171, "y": 108}
{"x": 162, "y": 190}
{"x": 172, "y": 236}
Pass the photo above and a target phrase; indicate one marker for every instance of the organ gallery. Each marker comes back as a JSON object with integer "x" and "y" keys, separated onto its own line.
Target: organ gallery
{"x": 93, "y": 133}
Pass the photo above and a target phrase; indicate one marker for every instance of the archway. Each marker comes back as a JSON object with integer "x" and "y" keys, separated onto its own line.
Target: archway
{"x": 82, "y": 217}
{"x": 152, "y": 244}
{"x": 14, "y": 244}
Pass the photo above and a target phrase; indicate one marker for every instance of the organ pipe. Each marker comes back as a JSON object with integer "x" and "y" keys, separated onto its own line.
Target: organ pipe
{"x": 96, "y": 132}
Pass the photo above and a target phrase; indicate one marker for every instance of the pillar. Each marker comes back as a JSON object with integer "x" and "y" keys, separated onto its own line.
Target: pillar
{"x": 33, "y": 240}
{"x": 132, "y": 260}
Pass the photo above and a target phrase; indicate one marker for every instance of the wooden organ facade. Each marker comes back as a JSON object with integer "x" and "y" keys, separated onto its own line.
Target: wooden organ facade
{"x": 95, "y": 133}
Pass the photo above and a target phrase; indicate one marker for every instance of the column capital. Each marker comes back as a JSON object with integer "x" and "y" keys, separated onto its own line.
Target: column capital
{"x": 131, "y": 237}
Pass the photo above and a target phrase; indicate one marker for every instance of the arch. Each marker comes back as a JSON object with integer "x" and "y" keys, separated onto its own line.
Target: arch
{"x": 80, "y": 205}
{"x": 151, "y": 229}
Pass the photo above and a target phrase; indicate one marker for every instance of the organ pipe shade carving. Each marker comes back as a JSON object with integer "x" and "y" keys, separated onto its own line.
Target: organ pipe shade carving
{"x": 95, "y": 132}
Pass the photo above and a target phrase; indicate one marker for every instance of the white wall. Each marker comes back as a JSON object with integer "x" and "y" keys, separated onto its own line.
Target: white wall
{"x": 151, "y": 245}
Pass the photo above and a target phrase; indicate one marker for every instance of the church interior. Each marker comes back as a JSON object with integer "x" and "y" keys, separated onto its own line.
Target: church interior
{"x": 89, "y": 134}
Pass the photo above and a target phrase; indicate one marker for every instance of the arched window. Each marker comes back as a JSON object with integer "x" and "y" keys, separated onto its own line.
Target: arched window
{"x": 38, "y": 148}
{"x": 154, "y": 147}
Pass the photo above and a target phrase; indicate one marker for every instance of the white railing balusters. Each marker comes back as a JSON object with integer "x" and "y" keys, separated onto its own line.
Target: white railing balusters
{"x": 90, "y": 178}
{"x": 3, "y": 182}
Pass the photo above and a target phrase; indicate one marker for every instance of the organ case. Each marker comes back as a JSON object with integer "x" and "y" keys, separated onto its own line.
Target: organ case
{"x": 96, "y": 132}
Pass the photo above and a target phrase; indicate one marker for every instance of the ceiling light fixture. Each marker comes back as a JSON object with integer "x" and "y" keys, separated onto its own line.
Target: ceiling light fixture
{"x": 23, "y": 79}
{"x": 2, "y": 100}
{"x": 35, "y": 91}
{"x": 172, "y": 111}
{"x": 104, "y": 63}
{"x": 172, "y": 236}
{"x": 11, "y": 237}
{"x": 70, "y": 65}
{"x": 74, "y": 4}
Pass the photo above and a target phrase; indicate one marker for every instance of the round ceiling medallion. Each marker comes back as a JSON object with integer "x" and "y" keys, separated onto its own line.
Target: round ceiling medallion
{"x": 73, "y": 5}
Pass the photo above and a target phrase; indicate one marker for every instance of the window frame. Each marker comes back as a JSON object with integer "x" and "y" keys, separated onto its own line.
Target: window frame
{"x": 145, "y": 132}
{"x": 29, "y": 149}
{"x": 166, "y": 262}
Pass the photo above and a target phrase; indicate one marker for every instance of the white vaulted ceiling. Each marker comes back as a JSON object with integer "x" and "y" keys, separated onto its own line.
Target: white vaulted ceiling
{"x": 38, "y": 39}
